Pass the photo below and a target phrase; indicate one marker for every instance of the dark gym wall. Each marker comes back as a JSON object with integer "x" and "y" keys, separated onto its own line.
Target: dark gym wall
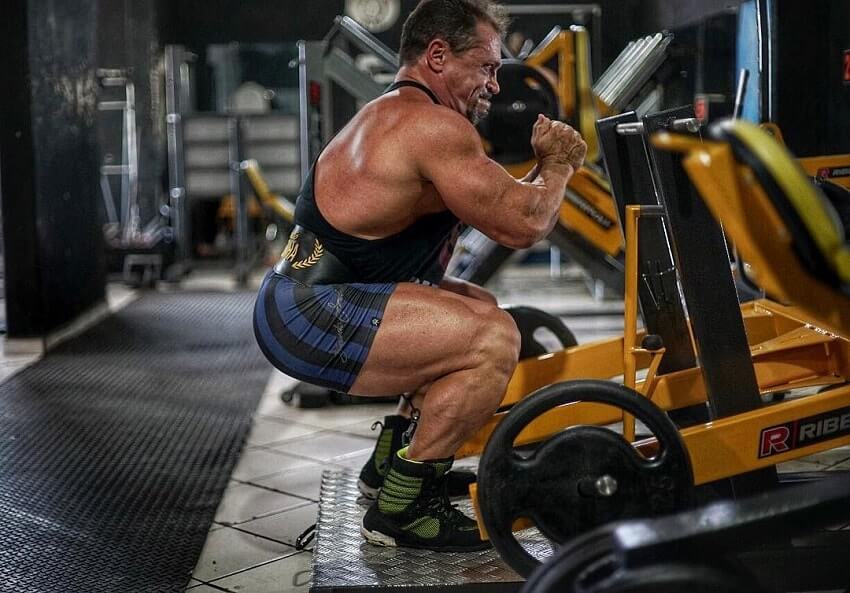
{"x": 812, "y": 103}
{"x": 53, "y": 247}
{"x": 22, "y": 280}
{"x": 197, "y": 23}
{"x": 673, "y": 14}
{"x": 202, "y": 22}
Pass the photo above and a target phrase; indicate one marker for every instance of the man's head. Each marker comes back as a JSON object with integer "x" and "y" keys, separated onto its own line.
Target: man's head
{"x": 459, "y": 40}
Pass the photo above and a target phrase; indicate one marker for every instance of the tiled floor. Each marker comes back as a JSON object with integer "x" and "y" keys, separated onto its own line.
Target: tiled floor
{"x": 274, "y": 490}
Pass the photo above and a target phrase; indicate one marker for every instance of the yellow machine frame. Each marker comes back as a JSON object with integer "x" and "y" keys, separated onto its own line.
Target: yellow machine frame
{"x": 791, "y": 346}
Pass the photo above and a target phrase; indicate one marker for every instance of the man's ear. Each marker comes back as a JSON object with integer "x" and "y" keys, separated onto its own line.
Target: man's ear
{"x": 436, "y": 54}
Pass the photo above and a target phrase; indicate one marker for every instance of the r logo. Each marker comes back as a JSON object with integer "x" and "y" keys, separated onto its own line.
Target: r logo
{"x": 774, "y": 440}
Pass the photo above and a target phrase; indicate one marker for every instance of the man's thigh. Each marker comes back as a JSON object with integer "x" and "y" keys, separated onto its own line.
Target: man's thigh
{"x": 426, "y": 333}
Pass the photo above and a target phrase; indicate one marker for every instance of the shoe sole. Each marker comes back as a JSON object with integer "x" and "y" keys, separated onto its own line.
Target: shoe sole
{"x": 377, "y": 538}
{"x": 367, "y": 491}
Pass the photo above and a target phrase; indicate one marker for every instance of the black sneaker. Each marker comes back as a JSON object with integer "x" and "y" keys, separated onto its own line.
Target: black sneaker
{"x": 458, "y": 481}
{"x": 413, "y": 510}
{"x": 389, "y": 442}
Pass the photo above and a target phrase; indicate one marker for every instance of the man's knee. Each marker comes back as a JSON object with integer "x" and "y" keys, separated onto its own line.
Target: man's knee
{"x": 497, "y": 340}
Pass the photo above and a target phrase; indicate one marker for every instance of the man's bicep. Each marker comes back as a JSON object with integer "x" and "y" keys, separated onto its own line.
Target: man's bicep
{"x": 469, "y": 182}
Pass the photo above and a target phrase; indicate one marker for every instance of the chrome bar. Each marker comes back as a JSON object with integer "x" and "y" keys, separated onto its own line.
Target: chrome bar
{"x": 621, "y": 66}
{"x": 604, "y": 78}
{"x": 550, "y": 36}
{"x": 634, "y": 70}
{"x": 686, "y": 124}
{"x": 638, "y": 59}
{"x": 304, "y": 111}
{"x": 355, "y": 33}
{"x": 642, "y": 73}
{"x": 740, "y": 91}
{"x": 632, "y": 128}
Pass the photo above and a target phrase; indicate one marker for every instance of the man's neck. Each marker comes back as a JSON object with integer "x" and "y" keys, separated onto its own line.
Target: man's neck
{"x": 427, "y": 78}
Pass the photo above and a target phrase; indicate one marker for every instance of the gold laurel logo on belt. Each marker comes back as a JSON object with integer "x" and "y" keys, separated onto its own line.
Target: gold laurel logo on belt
{"x": 291, "y": 251}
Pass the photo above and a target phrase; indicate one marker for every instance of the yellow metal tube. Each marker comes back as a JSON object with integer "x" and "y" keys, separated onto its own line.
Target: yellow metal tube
{"x": 630, "y": 312}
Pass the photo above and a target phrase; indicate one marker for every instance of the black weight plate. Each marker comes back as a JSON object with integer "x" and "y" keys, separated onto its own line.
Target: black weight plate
{"x": 524, "y": 93}
{"x": 570, "y": 560}
{"x": 529, "y": 320}
{"x": 542, "y": 484}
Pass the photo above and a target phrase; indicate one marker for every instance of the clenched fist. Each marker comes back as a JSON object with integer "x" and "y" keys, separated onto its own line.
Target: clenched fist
{"x": 557, "y": 142}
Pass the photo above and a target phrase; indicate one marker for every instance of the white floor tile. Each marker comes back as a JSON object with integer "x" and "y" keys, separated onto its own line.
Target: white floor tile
{"x": 270, "y": 431}
{"x": 256, "y": 462}
{"x": 831, "y": 457}
{"x": 21, "y": 349}
{"x": 845, "y": 466}
{"x": 202, "y": 588}
{"x": 244, "y": 502}
{"x": 284, "y": 527}
{"x": 355, "y": 462}
{"x": 799, "y": 466}
{"x": 326, "y": 446}
{"x": 302, "y": 481}
{"x": 228, "y": 551}
{"x": 289, "y": 575}
{"x": 334, "y": 416}
{"x": 362, "y": 428}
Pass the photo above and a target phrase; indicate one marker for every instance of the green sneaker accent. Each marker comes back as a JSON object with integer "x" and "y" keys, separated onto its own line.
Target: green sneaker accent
{"x": 413, "y": 510}
{"x": 382, "y": 452}
{"x": 374, "y": 473}
{"x": 424, "y": 527}
{"x": 389, "y": 441}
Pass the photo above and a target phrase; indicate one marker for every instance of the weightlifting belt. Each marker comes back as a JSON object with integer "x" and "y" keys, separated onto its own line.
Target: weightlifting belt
{"x": 306, "y": 260}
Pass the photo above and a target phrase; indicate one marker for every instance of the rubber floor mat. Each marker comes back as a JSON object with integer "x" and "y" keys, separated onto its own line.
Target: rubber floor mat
{"x": 116, "y": 448}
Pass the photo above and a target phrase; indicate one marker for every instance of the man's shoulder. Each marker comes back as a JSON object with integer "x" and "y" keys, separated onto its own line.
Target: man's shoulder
{"x": 428, "y": 123}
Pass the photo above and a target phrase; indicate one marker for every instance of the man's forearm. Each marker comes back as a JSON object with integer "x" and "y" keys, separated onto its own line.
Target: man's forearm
{"x": 554, "y": 178}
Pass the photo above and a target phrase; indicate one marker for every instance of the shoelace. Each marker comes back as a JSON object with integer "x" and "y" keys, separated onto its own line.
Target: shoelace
{"x": 439, "y": 502}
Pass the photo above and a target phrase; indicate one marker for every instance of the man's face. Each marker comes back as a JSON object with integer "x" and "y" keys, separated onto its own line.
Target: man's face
{"x": 471, "y": 75}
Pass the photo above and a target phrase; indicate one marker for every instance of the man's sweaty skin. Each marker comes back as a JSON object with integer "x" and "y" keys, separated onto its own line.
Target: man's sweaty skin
{"x": 451, "y": 345}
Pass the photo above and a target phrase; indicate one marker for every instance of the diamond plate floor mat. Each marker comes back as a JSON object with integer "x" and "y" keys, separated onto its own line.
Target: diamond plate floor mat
{"x": 116, "y": 448}
{"x": 344, "y": 563}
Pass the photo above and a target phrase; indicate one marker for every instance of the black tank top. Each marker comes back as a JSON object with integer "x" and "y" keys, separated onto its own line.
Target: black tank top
{"x": 419, "y": 253}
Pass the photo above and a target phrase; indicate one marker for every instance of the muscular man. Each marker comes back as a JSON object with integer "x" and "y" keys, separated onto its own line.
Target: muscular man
{"x": 358, "y": 302}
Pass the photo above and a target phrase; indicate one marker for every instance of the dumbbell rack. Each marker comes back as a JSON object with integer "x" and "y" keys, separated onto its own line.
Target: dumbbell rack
{"x": 344, "y": 563}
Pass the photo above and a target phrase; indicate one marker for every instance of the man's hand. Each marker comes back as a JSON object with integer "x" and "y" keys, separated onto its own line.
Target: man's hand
{"x": 556, "y": 142}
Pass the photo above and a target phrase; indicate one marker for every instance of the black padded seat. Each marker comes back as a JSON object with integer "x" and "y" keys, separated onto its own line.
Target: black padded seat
{"x": 817, "y": 231}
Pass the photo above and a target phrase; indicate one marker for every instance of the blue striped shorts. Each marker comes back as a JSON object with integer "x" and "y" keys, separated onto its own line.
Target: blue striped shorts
{"x": 319, "y": 334}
